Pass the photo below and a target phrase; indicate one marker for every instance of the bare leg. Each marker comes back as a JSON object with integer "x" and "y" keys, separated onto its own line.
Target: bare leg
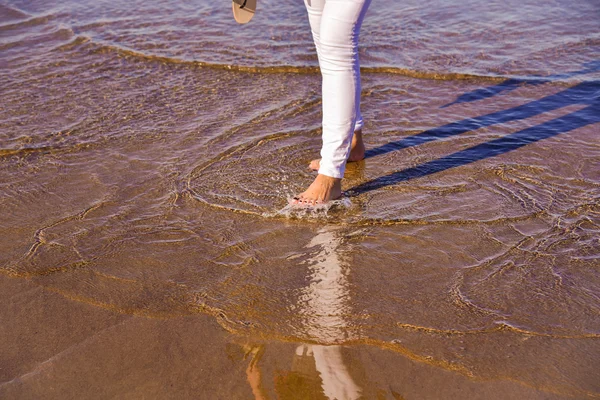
{"x": 357, "y": 151}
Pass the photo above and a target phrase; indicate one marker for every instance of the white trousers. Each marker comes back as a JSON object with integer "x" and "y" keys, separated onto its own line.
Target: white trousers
{"x": 335, "y": 26}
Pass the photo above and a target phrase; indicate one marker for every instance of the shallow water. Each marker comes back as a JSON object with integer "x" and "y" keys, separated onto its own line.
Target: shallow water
{"x": 147, "y": 152}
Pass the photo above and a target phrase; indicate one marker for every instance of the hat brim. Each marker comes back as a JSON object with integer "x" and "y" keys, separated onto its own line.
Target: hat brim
{"x": 243, "y": 15}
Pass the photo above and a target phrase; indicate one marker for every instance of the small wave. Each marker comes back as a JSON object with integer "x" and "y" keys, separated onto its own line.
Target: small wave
{"x": 11, "y": 13}
{"x": 60, "y": 33}
{"x": 99, "y": 46}
{"x": 28, "y": 22}
{"x": 338, "y": 214}
{"x": 498, "y": 327}
{"x": 24, "y": 151}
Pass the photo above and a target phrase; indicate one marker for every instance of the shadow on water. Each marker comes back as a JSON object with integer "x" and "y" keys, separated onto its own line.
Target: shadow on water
{"x": 511, "y": 84}
{"x": 585, "y": 93}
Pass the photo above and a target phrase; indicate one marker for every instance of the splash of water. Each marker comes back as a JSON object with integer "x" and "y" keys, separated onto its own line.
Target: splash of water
{"x": 318, "y": 211}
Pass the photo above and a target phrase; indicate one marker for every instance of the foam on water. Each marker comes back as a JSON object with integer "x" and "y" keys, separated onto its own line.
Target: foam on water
{"x": 315, "y": 212}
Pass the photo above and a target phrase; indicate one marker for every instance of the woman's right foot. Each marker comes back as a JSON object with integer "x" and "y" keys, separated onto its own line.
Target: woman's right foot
{"x": 323, "y": 189}
{"x": 357, "y": 151}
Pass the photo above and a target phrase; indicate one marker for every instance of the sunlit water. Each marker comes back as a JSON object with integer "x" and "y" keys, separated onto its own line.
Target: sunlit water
{"x": 147, "y": 152}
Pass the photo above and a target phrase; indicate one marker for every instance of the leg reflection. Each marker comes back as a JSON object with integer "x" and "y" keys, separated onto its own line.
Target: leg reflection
{"x": 318, "y": 371}
{"x": 253, "y": 374}
{"x": 325, "y": 305}
{"x": 337, "y": 382}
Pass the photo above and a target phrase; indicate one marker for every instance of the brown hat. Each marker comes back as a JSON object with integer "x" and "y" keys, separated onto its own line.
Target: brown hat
{"x": 243, "y": 10}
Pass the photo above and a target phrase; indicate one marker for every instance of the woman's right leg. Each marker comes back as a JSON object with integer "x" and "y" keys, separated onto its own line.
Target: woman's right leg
{"x": 315, "y": 12}
{"x": 336, "y": 26}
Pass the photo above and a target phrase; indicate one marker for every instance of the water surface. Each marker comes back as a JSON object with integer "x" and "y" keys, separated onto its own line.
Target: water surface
{"x": 147, "y": 152}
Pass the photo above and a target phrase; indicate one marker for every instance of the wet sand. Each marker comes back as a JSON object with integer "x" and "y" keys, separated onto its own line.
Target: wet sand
{"x": 147, "y": 250}
{"x": 56, "y": 348}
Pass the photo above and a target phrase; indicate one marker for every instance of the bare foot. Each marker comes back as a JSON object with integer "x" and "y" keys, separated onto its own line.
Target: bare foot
{"x": 323, "y": 189}
{"x": 357, "y": 151}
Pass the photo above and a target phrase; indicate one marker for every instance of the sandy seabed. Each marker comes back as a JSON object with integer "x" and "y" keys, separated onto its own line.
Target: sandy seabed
{"x": 146, "y": 250}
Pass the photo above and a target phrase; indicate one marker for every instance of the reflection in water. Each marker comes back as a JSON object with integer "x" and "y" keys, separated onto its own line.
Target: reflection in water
{"x": 325, "y": 302}
{"x": 253, "y": 374}
{"x": 337, "y": 382}
{"x": 323, "y": 305}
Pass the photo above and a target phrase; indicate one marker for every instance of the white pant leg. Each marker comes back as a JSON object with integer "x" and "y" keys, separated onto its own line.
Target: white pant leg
{"x": 315, "y": 10}
{"x": 335, "y": 26}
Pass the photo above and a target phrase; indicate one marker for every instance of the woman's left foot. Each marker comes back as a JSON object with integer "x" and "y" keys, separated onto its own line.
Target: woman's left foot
{"x": 323, "y": 189}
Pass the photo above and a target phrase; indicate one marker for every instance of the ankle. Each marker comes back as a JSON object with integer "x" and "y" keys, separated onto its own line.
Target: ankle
{"x": 328, "y": 179}
{"x": 357, "y": 140}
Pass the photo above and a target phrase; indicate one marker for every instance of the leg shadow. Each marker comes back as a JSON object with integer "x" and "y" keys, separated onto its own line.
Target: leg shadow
{"x": 513, "y": 83}
{"x": 585, "y": 93}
